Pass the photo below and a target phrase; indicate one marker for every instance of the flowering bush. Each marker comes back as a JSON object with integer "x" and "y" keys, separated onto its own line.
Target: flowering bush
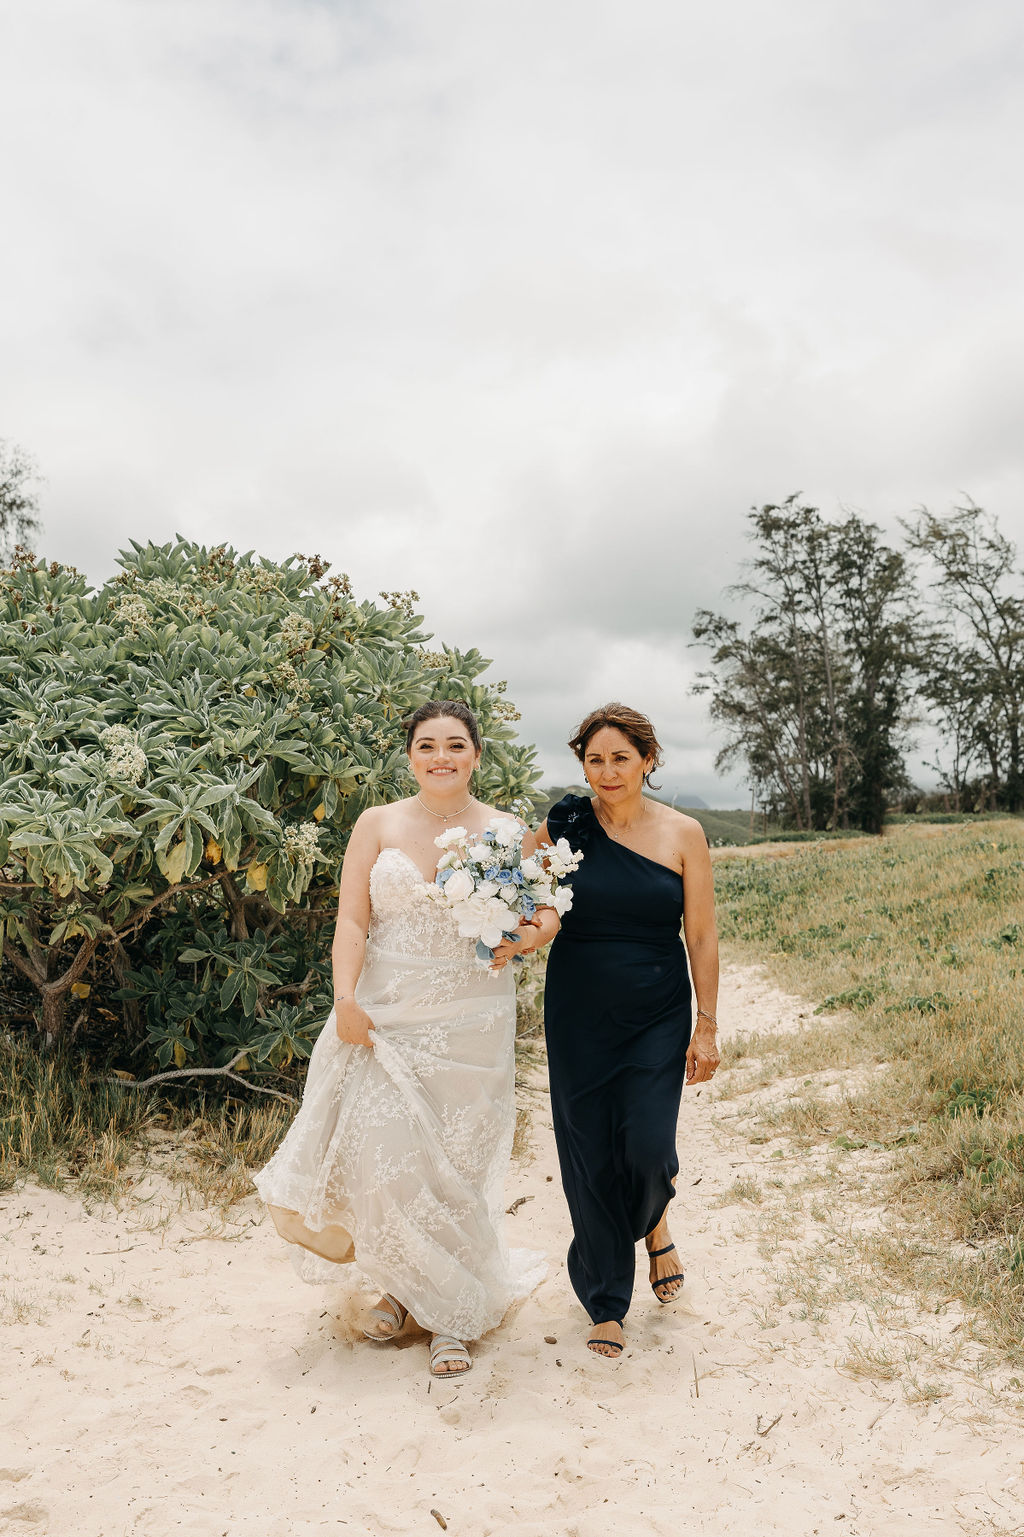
{"x": 489, "y": 886}
{"x": 182, "y": 755}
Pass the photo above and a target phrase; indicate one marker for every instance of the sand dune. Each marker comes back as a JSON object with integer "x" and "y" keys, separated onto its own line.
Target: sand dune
{"x": 165, "y": 1371}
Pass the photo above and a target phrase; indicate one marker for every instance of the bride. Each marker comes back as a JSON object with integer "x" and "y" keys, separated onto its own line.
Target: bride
{"x": 397, "y": 1156}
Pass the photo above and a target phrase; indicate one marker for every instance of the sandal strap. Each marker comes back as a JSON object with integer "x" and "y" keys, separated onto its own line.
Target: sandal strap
{"x": 446, "y": 1346}
{"x": 393, "y": 1312}
{"x": 657, "y": 1253}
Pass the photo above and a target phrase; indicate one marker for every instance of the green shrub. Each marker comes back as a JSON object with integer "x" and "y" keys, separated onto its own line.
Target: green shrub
{"x": 183, "y": 753}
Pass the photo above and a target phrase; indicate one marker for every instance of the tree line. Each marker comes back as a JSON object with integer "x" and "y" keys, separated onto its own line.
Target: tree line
{"x": 852, "y": 647}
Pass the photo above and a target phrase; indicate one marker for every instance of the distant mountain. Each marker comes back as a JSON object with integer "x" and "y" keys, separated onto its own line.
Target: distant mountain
{"x": 545, "y": 798}
{"x": 720, "y": 827}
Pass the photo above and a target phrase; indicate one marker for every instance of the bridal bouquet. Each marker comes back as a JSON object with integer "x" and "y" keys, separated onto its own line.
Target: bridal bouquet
{"x": 489, "y": 886}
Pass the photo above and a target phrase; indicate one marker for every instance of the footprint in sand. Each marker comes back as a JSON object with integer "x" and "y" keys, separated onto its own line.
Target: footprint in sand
{"x": 29, "y": 1514}
{"x": 194, "y": 1396}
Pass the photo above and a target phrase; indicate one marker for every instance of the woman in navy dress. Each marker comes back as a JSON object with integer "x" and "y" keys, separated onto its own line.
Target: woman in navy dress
{"x": 618, "y": 1007}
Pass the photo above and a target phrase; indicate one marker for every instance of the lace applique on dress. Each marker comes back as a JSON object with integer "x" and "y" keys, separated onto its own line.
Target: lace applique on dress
{"x": 404, "y": 1145}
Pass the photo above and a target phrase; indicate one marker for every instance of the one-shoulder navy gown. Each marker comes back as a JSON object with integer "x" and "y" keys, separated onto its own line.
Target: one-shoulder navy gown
{"x": 617, "y": 1019}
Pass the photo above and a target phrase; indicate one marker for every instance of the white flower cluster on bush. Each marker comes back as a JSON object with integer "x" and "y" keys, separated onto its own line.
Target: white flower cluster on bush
{"x": 296, "y": 633}
{"x": 125, "y": 758}
{"x": 302, "y": 842}
{"x": 131, "y": 612}
{"x": 259, "y": 578}
{"x": 160, "y": 590}
{"x": 285, "y": 676}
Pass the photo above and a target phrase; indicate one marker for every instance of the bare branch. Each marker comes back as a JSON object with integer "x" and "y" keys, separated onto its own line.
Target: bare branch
{"x": 202, "y": 1072}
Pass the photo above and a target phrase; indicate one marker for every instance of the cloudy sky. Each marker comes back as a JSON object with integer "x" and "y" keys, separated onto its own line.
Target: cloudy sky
{"x": 522, "y": 305}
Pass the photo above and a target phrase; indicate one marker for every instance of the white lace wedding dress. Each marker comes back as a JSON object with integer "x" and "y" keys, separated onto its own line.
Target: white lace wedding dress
{"x": 396, "y": 1159}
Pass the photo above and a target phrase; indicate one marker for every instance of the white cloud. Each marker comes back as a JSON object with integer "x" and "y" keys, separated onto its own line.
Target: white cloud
{"x": 412, "y": 283}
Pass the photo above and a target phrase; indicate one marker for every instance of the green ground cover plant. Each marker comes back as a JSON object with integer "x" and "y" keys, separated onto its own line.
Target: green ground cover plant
{"x": 912, "y": 949}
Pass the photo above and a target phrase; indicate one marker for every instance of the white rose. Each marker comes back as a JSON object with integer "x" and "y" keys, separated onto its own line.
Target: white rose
{"x": 532, "y": 869}
{"x": 506, "y": 832}
{"x": 458, "y": 886}
{"x": 494, "y": 912}
{"x": 449, "y": 836}
{"x": 488, "y": 889}
{"x": 492, "y": 937}
{"x": 470, "y": 915}
{"x": 561, "y": 899}
{"x": 510, "y": 894}
{"x": 480, "y": 853}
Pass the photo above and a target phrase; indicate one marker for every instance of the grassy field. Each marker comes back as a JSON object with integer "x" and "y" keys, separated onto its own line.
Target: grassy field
{"x": 912, "y": 948}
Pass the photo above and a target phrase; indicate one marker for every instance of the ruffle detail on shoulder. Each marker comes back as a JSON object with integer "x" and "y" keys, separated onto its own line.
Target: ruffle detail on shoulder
{"x": 572, "y": 817}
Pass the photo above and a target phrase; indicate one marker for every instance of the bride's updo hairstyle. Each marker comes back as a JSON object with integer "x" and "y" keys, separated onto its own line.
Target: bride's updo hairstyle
{"x": 634, "y": 726}
{"x": 444, "y": 709}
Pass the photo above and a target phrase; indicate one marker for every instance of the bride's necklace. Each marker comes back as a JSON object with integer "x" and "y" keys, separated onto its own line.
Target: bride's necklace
{"x": 618, "y": 836}
{"x": 446, "y": 816}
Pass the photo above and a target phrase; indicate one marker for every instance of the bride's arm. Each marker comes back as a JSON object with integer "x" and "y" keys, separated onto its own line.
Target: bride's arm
{"x": 349, "y": 948}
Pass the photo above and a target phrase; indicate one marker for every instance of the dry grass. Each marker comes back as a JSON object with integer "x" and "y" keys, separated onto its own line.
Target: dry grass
{"x": 61, "y": 1125}
{"x": 742, "y": 1189}
{"x": 913, "y": 949}
{"x": 57, "y": 1124}
{"x": 64, "y": 1127}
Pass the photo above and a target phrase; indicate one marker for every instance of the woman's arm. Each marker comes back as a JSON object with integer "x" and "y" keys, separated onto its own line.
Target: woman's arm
{"x": 349, "y": 948}
{"x": 702, "y": 947}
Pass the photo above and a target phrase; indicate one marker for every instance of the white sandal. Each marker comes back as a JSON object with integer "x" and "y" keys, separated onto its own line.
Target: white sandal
{"x": 393, "y": 1314}
{"x": 445, "y": 1347}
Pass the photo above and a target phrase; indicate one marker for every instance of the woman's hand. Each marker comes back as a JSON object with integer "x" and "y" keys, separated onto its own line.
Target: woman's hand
{"x": 352, "y": 1023}
{"x": 702, "y": 1055}
{"x": 521, "y": 945}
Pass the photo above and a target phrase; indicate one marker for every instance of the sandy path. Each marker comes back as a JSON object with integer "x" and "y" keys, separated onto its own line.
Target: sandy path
{"x": 165, "y": 1371}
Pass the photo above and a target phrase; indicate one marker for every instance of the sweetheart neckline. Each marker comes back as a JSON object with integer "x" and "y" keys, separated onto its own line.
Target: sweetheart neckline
{"x": 392, "y": 848}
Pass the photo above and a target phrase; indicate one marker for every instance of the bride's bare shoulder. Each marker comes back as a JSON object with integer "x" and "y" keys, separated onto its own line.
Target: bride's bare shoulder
{"x": 377, "y": 824}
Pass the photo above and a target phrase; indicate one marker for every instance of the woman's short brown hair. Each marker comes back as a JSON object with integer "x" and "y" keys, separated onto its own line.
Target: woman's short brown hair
{"x": 636, "y": 727}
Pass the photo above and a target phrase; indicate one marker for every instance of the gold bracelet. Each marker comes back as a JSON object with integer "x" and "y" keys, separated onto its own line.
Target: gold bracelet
{"x": 703, "y": 1013}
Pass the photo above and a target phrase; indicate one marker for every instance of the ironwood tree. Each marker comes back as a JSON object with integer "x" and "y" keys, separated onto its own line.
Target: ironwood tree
{"x": 973, "y": 679}
{"x": 812, "y": 692}
{"x": 19, "y": 501}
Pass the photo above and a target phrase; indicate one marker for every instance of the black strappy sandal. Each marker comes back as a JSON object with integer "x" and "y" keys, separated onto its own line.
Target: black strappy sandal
{"x": 615, "y": 1345}
{"x": 665, "y": 1279}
